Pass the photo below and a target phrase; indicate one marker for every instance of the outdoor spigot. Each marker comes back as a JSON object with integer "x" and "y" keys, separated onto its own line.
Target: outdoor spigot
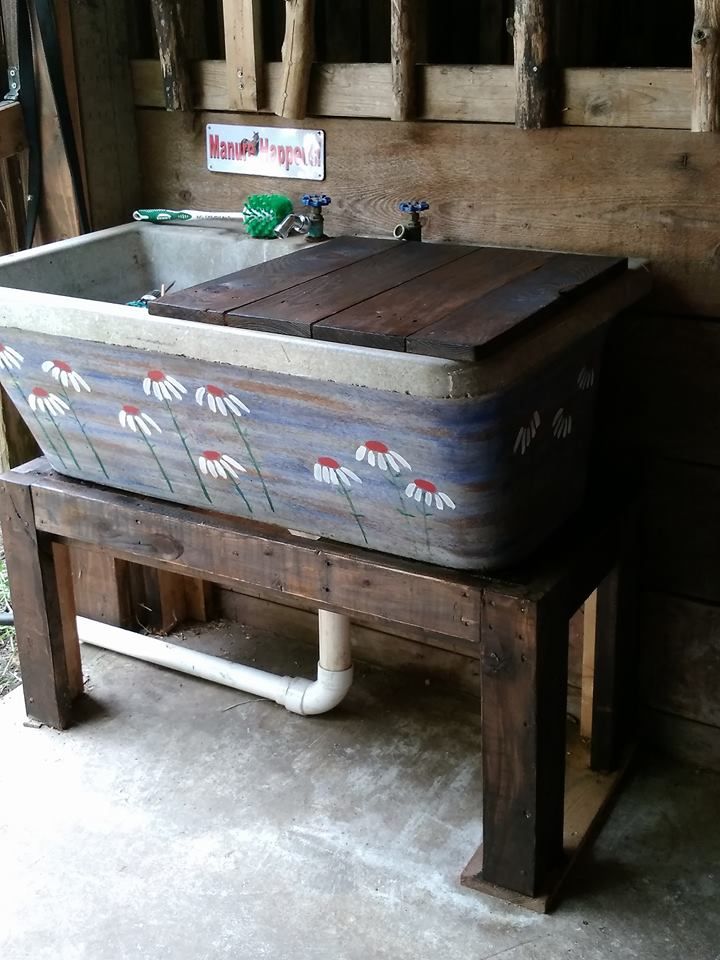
{"x": 316, "y": 228}
{"x": 411, "y": 228}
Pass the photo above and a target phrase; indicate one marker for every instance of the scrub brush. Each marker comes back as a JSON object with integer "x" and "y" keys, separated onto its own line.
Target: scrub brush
{"x": 262, "y": 213}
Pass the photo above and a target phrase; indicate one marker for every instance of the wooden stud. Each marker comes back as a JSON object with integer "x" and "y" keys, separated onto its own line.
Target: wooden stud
{"x": 588, "y": 665}
{"x": 534, "y": 71}
{"x": 43, "y": 607}
{"x": 12, "y": 130}
{"x": 170, "y": 30}
{"x": 706, "y": 67}
{"x": 297, "y": 55}
{"x": 402, "y": 59}
{"x": 524, "y": 684}
{"x": 243, "y": 53}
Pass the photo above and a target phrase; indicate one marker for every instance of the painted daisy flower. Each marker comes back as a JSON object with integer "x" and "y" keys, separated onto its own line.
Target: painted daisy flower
{"x": 219, "y": 401}
{"x": 65, "y": 374}
{"x": 163, "y": 386}
{"x": 419, "y": 489}
{"x": 51, "y": 403}
{"x": 132, "y": 418}
{"x": 10, "y": 358}
{"x": 219, "y": 465}
{"x": 527, "y": 434}
{"x": 562, "y": 424}
{"x": 377, "y": 452}
{"x": 586, "y": 378}
{"x": 328, "y": 470}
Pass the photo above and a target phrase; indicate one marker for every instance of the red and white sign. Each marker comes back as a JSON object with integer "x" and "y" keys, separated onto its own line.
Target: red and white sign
{"x": 266, "y": 151}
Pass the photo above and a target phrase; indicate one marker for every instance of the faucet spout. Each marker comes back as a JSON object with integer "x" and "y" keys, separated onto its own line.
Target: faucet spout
{"x": 293, "y": 223}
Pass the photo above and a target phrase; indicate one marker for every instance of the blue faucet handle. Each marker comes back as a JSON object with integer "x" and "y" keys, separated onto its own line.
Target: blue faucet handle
{"x": 413, "y": 206}
{"x": 316, "y": 200}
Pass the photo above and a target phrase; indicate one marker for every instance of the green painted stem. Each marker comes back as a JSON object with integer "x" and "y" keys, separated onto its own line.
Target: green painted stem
{"x": 245, "y": 440}
{"x": 353, "y": 511}
{"x": 67, "y": 445}
{"x": 89, "y": 442}
{"x": 247, "y": 502}
{"x": 187, "y": 451}
{"x": 427, "y": 531}
{"x": 155, "y": 456}
{"x": 39, "y": 422}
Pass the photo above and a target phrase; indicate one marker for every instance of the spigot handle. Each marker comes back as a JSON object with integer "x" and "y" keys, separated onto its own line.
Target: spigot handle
{"x": 413, "y": 206}
{"x": 316, "y": 200}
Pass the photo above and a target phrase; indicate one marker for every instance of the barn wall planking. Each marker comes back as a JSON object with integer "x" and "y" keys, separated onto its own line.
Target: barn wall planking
{"x": 644, "y": 193}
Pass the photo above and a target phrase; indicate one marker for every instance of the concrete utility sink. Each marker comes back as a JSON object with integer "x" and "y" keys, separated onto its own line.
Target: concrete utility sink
{"x": 466, "y": 464}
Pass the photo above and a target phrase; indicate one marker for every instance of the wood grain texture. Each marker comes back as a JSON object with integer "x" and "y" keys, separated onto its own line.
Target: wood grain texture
{"x": 402, "y": 58}
{"x": 605, "y": 97}
{"x": 534, "y": 66}
{"x": 170, "y": 30}
{"x": 680, "y": 657}
{"x": 12, "y": 130}
{"x": 524, "y": 679}
{"x": 211, "y": 301}
{"x": 43, "y": 605}
{"x": 298, "y": 52}
{"x": 569, "y": 190}
{"x": 242, "y": 21}
{"x": 706, "y": 67}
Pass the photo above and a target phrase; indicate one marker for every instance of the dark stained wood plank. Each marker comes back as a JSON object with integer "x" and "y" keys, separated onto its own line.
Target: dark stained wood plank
{"x": 502, "y": 314}
{"x": 385, "y": 321}
{"x": 295, "y": 311}
{"x": 43, "y": 605}
{"x": 524, "y": 683}
{"x": 208, "y": 302}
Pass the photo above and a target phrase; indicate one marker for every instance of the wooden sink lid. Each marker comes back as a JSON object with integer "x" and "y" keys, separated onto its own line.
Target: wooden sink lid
{"x": 443, "y": 300}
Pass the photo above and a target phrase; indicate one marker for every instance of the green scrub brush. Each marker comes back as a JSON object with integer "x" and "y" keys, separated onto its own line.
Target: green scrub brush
{"x": 262, "y": 213}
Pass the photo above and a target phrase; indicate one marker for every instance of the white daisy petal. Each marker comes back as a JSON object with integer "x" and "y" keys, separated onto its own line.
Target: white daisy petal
{"x": 211, "y": 402}
{"x": 236, "y": 405}
{"x": 64, "y": 378}
{"x": 221, "y": 406}
{"x": 147, "y": 384}
{"x": 46, "y": 366}
{"x": 132, "y": 424}
{"x": 151, "y": 422}
{"x": 175, "y": 383}
{"x": 428, "y": 498}
{"x": 349, "y": 473}
{"x": 317, "y": 470}
{"x": 32, "y": 400}
{"x": 371, "y": 458}
{"x": 221, "y": 471}
{"x": 14, "y": 355}
{"x": 240, "y": 404}
{"x": 360, "y": 452}
{"x": 122, "y": 417}
{"x": 343, "y": 480}
{"x": 409, "y": 489}
{"x": 173, "y": 391}
{"x": 212, "y": 467}
{"x": 392, "y": 462}
{"x": 143, "y": 426}
{"x": 438, "y": 502}
{"x": 418, "y": 494}
{"x": 401, "y": 460}
{"x": 519, "y": 439}
{"x": 199, "y": 394}
{"x": 80, "y": 382}
{"x": 202, "y": 463}
{"x": 446, "y": 500}
{"x": 382, "y": 462}
{"x": 334, "y": 478}
{"x": 326, "y": 474}
{"x": 232, "y": 462}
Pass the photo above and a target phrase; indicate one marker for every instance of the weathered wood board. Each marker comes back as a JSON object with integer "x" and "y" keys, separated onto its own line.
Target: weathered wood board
{"x": 644, "y": 193}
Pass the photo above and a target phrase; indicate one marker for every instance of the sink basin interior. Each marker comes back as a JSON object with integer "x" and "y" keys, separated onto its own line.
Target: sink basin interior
{"x": 123, "y": 263}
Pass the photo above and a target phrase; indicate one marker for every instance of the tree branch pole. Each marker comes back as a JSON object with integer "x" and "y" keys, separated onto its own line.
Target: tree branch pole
{"x": 297, "y": 55}
{"x": 402, "y": 58}
{"x": 535, "y": 74}
{"x": 173, "y": 61}
{"x": 706, "y": 67}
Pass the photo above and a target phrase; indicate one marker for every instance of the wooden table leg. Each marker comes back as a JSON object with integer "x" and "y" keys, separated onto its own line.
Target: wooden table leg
{"x": 524, "y": 663}
{"x": 41, "y": 587}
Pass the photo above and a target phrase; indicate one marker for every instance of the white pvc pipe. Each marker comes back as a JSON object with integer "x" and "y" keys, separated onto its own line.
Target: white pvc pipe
{"x": 306, "y": 697}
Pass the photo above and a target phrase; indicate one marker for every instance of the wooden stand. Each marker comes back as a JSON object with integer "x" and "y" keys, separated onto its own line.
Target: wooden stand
{"x": 536, "y": 819}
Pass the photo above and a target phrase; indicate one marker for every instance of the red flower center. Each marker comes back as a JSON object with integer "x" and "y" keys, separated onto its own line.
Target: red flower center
{"x": 211, "y": 454}
{"x": 425, "y": 485}
{"x": 131, "y": 410}
{"x": 377, "y": 446}
{"x": 40, "y": 392}
{"x": 328, "y": 462}
{"x": 61, "y": 365}
{"x": 215, "y": 391}
{"x": 157, "y": 376}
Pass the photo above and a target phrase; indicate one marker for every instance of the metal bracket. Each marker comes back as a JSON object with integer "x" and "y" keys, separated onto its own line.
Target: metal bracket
{"x": 13, "y": 84}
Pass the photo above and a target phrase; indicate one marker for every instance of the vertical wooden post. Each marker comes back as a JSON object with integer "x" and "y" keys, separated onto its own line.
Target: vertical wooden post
{"x": 706, "y": 67}
{"x": 297, "y": 54}
{"x": 524, "y": 689}
{"x": 243, "y": 53}
{"x": 534, "y": 70}
{"x": 402, "y": 59}
{"x": 170, "y": 31}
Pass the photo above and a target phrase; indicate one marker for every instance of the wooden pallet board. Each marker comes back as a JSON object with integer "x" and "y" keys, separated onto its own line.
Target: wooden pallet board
{"x": 444, "y": 300}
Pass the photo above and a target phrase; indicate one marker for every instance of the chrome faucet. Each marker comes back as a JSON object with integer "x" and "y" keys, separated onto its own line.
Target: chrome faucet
{"x": 293, "y": 223}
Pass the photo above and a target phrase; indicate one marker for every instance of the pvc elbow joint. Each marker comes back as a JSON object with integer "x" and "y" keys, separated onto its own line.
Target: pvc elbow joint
{"x": 312, "y": 697}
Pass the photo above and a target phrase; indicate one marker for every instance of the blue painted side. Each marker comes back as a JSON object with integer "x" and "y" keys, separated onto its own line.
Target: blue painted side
{"x": 497, "y": 474}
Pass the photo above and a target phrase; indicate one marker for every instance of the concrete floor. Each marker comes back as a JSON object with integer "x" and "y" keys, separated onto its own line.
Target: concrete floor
{"x": 184, "y": 820}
